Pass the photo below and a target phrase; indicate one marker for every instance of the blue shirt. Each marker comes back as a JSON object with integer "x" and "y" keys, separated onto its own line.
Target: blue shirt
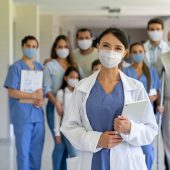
{"x": 102, "y": 108}
{"x": 155, "y": 82}
{"x": 21, "y": 112}
{"x": 53, "y": 77}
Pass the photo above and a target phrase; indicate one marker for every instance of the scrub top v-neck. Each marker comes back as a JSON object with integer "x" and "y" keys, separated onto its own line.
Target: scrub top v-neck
{"x": 102, "y": 108}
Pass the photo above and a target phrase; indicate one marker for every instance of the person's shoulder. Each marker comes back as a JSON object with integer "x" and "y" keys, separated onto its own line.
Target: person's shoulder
{"x": 76, "y": 51}
{"x": 127, "y": 69}
{"x": 60, "y": 92}
{"x": 38, "y": 65}
{"x": 146, "y": 44}
{"x": 132, "y": 81}
{"x": 50, "y": 63}
{"x": 16, "y": 65}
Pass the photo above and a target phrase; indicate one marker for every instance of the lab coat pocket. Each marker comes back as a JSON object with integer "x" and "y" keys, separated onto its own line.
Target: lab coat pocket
{"x": 72, "y": 163}
{"x": 136, "y": 162}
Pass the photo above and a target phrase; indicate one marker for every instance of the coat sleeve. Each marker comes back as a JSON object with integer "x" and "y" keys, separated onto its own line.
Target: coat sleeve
{"x": 145, "y": 132}
{"x": 73, "y": 126}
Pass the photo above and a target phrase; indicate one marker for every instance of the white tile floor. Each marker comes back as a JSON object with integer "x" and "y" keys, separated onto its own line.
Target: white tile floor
{"x": 7, "y": 155}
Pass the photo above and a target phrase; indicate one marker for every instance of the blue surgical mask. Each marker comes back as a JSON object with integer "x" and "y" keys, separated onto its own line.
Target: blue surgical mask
{"x": 137, "y": 58}
{"x": 30, "y": 52}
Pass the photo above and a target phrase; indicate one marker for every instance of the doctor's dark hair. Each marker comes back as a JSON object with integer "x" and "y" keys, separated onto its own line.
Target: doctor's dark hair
{"x": 145, "y": 67}
{"x": 83, "y": 30}
{"x": 118, "y": 33}
{"x": 68, "y": 71}
{"x": 155, "y": 21}
{"x": 27, "y": 38}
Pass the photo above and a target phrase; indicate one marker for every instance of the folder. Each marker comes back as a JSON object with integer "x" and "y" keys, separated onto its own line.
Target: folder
{"x": 135, "y": 110}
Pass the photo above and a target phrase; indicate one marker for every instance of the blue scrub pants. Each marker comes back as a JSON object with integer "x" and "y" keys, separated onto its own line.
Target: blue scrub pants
{"x": 59, "y": 154}
{"x": 148, "y": 151}
{"x": 29, "y": 140}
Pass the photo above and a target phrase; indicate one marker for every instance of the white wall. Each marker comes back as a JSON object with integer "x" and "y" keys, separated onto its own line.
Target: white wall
{"x": 50, "y": 28}
{"x": 46, "y": 36}
{"x": 166, "y": 28}
{"x": 6, "y": 59}
{"x": 26, "y": 22}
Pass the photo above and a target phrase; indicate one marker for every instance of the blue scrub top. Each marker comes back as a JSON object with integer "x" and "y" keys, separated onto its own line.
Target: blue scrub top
{"x": 155, "y": 82}
{"x": 21, "y": 112}
{"x": 102, "y": 108}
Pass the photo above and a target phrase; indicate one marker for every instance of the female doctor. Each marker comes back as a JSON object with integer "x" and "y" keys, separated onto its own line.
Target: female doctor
{"x": 94, "y": 125}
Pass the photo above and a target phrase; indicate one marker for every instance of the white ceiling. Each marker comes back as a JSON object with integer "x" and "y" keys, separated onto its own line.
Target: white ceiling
{"x": 132, "y": 12}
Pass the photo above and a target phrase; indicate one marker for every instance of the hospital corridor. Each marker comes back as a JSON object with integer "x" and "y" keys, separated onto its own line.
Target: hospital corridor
{"x": 85, "y": 85}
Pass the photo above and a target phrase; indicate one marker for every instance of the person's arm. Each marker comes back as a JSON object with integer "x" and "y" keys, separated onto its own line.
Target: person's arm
{"x": 17, "y": 94}
{"x": 47, "y": 83}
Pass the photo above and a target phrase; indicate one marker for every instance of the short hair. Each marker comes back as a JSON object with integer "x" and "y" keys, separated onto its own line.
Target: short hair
{"x": 83, "y": 30}
{"x": 95, "y": 63}
{"x": 27, "y": 38}
{"x": 155, "y": 21}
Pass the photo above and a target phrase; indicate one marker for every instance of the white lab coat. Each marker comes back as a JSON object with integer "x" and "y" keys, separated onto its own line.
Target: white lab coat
{"x": 165, "y": 58}
{"x": 128, "y": 154}
{"x": 163, "y": 49}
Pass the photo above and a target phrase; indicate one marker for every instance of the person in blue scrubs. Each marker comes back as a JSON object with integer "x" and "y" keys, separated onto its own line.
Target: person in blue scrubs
{"x": 27, "y": 119}
{"x": 54, "y": 70}
{"x": 149, "y": 77}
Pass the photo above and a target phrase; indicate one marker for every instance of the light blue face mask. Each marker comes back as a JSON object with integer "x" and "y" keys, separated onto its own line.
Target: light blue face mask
{"x": 137, "y": 58}
{"x": 30, "y": 52}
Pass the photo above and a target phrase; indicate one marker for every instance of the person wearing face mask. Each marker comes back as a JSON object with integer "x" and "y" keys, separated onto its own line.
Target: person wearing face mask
{"x": 54, "y": 70}
{"x": 70, "y": 80}
{"x": 155, "y": 46}
{"x": 27, "y": 118}
{"x": 85, "y": 54}
{"x": 94, "y": 124}
{"x": 148, "y": 76}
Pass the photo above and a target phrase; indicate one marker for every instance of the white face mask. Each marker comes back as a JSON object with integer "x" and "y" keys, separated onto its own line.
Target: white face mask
{"x": 85, "y": 44}
{"x": 62, "y": 53}
{"x": 72, "y": 82}
{"x": 155, "y": 35}
{"x": 110, "y": 59}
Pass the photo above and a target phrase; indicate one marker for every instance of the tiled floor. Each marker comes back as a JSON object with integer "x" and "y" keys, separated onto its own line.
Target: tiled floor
{"x": 7, "y": 155}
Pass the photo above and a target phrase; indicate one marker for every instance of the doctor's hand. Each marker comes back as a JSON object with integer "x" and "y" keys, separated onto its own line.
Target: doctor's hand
{"x": 122, "y": 125}
{"x": 38, "y": 94}
{"x": 109, "y": 139}
{"x": 59, "y": 108}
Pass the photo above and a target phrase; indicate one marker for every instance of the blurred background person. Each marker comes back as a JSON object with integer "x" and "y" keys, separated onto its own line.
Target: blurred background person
{"x": 149, "y": 78}
{"x": 85, "y": 54}
{"x": 54, "y": 71}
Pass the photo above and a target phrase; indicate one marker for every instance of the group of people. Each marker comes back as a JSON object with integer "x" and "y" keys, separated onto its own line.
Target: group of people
{"x": 85, "y": 116}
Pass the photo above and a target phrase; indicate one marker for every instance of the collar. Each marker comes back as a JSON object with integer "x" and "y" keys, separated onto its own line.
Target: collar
{"x": 67, "y": 90}
{"x": 86, "y": 84}
{"x": 160, "y": 45}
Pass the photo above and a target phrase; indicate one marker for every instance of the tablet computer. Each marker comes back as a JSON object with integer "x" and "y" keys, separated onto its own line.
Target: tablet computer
{"x": 135, "y": 110}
